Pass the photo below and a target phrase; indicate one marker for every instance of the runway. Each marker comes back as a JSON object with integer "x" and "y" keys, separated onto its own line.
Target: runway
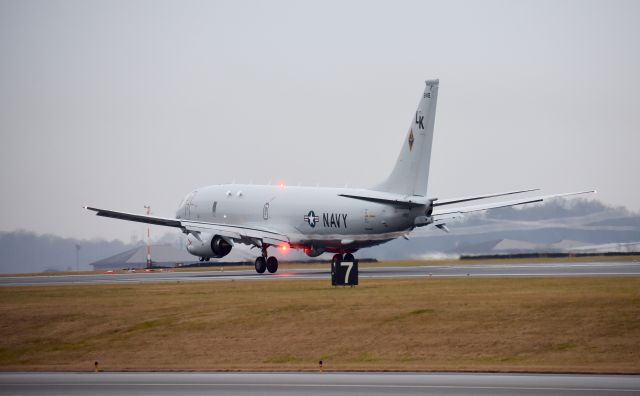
{"x": 427, "y": 271}
{"x": 314, "y": 384}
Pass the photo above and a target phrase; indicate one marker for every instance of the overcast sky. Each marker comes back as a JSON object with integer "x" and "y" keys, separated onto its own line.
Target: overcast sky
{"x": 121, "y": 104}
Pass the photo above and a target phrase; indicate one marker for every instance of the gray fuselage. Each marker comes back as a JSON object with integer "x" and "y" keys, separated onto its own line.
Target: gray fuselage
{"x": 313, "y": 218}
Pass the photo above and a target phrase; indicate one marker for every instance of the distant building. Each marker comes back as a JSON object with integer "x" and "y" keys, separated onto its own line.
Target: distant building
{"x": 161, "y": 256}
{"x": 512, "y": 246}
{"x": 166, "y": 256}
{"x": 629, "y": 247}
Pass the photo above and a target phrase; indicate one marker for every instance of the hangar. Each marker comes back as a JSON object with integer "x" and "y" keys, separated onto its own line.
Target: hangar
{"x": 165, "y": 255}
{"x": 161, "y": 256}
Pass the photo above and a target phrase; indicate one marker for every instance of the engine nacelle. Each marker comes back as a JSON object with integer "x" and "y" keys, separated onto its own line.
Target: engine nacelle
{"x": 213, "y": 246}
{"x": 313, "y": 251}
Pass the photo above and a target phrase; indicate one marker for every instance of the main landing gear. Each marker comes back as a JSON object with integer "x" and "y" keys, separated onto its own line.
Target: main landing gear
{"x": 266, "y": 263}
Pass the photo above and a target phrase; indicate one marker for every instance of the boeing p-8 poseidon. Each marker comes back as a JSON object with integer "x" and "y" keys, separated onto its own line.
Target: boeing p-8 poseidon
{"x": 318, "y": 220}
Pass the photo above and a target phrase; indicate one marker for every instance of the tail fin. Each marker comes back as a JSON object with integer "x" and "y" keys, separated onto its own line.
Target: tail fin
{"x": 411, "y": 172}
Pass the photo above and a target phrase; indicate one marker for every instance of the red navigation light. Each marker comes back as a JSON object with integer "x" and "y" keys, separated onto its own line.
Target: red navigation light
{"x": 284, "y": 248}
{"x": 281, "y": 184}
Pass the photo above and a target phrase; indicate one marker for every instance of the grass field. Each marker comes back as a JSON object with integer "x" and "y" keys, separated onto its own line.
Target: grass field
{"x": 543, "y": 325}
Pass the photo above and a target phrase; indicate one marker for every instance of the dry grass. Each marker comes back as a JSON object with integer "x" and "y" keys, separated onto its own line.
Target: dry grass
{"x": 576, "y": 324}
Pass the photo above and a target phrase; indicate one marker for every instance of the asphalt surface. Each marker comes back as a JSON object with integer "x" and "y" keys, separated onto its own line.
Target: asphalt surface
{"x": 314, "y": 384}
{"x": 451, "y": 271}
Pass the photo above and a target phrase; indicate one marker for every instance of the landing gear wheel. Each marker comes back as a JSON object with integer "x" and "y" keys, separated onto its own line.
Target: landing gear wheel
{"x": 272, "y": 264}
{"x": 336, "y": 260}
{"x": 261, "y": 265}
{"x": 348, "y": 257}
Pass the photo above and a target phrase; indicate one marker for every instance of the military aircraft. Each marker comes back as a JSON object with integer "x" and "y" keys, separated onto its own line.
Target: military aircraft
{"x": 318, "y": 220}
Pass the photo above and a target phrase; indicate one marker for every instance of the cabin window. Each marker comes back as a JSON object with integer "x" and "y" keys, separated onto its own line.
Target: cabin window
{"x": 213, "y": 208}
{"x": 265, "y": 211}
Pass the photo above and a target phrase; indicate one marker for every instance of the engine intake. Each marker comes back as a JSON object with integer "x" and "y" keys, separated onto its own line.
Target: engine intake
{"x": 220, "y": 246}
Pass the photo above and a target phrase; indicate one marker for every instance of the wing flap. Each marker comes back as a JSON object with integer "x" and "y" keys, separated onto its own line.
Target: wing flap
{"x": 237, "y": 232}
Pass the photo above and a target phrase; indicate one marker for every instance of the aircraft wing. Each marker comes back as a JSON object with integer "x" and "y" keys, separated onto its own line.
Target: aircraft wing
{"x": 245, "y": 234}
{"x": 442, "y": 214}
{"x": 414, "y": 201}
{"x": 442, "y": 202}
{"x": 136, "y": 217}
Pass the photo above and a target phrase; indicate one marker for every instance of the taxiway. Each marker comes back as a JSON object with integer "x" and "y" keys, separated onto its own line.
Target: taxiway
{"x": 315, "y": 384}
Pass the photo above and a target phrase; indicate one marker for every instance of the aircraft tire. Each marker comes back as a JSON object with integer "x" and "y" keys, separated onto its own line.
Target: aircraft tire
{"x": 348, "y": 257}
{"x": 261, "y": 265}
{"x": 272, "y": 265}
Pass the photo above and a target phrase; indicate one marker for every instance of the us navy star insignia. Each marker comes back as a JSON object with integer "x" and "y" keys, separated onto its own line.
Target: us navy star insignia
{"x": 311, "y": 218}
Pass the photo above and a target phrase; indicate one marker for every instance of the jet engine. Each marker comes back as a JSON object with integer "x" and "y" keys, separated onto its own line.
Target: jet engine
{"x": 313, "y": 251}
{"x": 213, "y": 246}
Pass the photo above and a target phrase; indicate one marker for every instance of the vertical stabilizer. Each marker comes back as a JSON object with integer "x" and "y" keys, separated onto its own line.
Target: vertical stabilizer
{"x": 411, "y": 172}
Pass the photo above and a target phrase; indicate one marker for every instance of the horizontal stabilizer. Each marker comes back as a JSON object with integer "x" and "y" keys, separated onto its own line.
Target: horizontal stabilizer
{"x": 402, "y": 202}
